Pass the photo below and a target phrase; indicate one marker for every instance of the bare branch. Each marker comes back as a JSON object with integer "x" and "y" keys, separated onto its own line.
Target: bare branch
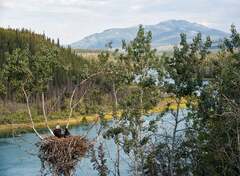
{"x": 30, "y": 114}
{"x": 71, "y": 106}
{"x": 44, "y": 114}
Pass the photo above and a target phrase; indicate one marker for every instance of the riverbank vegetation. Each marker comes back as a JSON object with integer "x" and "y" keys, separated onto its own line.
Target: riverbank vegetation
{"x": 198, "y": 90}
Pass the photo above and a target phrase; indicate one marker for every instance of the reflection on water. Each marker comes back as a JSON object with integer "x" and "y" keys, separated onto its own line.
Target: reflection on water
{"x": 18, "y": 156}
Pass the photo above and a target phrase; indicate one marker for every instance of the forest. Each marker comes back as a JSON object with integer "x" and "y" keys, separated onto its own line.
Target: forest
{"x": 131, "y": 90}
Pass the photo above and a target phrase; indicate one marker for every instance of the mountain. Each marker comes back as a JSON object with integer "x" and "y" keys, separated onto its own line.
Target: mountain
{"x": 165, "y": 34}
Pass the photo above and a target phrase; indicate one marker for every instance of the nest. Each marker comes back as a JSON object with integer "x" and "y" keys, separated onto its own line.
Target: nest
{"x": 60, "y": 156}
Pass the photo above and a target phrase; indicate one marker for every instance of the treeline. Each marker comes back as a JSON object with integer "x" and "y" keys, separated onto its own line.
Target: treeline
{"x": 16, "y": 38}
{"x": 70, "y": 64}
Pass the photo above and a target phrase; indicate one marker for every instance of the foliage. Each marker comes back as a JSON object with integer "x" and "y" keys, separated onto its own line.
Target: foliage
{"x": 130, "y": 131}
{"x": 17, "y": 70}
{"x": 32, "y": 73}
{"x": 216, "y": 119}
{"x": 184, "y": 72}
{"x": 69, "y": 67}
{"x": 43, "y": 67}
{"x": 99, "y": 162}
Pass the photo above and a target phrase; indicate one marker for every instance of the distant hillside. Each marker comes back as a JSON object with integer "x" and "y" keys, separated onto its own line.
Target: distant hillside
{"x": 165, "y": 34}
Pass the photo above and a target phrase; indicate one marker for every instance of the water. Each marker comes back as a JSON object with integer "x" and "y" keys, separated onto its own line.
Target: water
{"x": 18, "y": 155}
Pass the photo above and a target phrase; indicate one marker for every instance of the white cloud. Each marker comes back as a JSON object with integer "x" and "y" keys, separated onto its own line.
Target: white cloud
{"x": 71, "y": 20}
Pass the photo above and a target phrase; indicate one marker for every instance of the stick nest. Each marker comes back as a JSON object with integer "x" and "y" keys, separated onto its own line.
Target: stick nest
{"x": 61, "y": 155}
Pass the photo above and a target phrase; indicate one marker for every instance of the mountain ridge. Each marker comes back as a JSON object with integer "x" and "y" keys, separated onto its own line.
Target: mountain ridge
{"x": 166, "y": 33}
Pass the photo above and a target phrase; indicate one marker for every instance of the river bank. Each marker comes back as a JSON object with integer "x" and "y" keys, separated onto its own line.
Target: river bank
{"x": 7, "y": 130}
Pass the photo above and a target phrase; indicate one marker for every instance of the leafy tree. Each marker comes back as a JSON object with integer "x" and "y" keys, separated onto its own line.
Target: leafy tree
{"x": 184, "y": 67}
{"x": 131, "y": 133}
{"x": 2, "y": 87}
{"x": 43, "y": 67}
{"x": 27, "y": 74}
{"x": 19, "y": 76}
{"x": 215, "y": 141}
{"x": 184, "y": 80}
{"x": 17, "y": 71}
{"x": 99, "y": 161}
{"x": 62, "y": 79}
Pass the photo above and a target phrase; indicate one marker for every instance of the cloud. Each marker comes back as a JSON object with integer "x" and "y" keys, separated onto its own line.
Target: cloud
{"x": 71, "y": 20}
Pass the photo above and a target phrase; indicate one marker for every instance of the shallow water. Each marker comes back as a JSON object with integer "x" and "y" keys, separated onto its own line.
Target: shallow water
{"x": 18, "y": 155}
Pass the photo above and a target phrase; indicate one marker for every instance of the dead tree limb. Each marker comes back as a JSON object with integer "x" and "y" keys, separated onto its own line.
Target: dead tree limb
{"x": 73, "y": 106}
{"x": 57, "y": 100}
{"x": 30, "y": 114}
{"x": 44, "y": 114}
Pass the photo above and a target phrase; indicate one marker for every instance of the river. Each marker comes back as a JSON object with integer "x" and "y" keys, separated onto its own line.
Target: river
{"x": 18, "y": 155}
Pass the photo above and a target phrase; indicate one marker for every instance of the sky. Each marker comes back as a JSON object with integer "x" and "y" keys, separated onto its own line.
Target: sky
{"x": 71, "y": 20}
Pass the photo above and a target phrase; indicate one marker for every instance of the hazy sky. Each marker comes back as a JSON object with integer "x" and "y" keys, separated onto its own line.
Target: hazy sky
{"x": 71, "y": 20}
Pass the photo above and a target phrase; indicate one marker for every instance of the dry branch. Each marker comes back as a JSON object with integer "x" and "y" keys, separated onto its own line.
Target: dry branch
{"x": 73, "y": 106}
{"x": 29, "y": 113}
{"x": 44, "y": 114}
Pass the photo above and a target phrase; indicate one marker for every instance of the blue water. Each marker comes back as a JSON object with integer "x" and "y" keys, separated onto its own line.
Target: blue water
{"x": 18, "y": 155}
